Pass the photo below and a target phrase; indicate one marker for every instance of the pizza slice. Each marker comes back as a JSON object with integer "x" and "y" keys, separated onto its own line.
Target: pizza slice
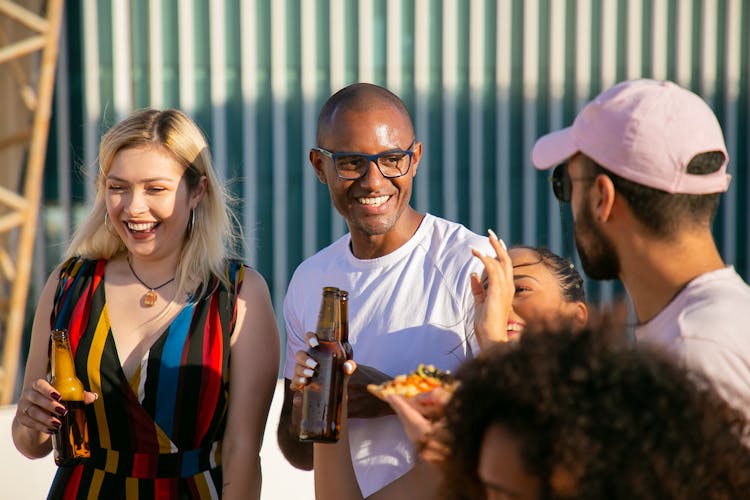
{"x": 424, "y": 379}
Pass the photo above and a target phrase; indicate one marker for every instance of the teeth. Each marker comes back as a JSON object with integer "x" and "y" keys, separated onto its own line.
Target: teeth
{"x": 374, "y": 201}
{"x": 515, "y": 327}
{"x": 143, "y": 226}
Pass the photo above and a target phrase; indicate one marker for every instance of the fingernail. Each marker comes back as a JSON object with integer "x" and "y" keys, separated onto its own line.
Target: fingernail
{"x": 52, "y": 431}
{"x": 313, "y": 342}
{"x": 476, "y": 252}
{"x": 308, "y": 372}
{"x": 348, "y": 366}
{"x": 60, "y": 410}
{"x": 492, "y": 234}
{"x": 56, "y": 425}
{"x": 96, "y": 396}
{"x": 56, "y": 396}
{"x": 502, "y": 243}
{"x": 311, "y": 363}
{"x": 302, "y": 381}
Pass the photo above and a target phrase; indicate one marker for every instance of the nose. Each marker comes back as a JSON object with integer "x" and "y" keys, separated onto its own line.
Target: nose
{"x": 372, "y": 178}
{"x": 136, "y": 204}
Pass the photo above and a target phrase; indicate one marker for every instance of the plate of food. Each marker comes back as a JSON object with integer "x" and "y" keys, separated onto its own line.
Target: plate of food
{"x": 424, "y": 379}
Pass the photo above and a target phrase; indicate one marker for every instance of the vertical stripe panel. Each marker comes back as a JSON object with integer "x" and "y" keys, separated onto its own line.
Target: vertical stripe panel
{"x": 186, "y": 51}
{"x": 450, "y": 104}
{"x": 422, "y": 91}
{"x": 122, "y": 59}
{"x": 731, "y": 96}
{"x": 155, "y": 54}
{"x": 530, "y": 86}
{"x": 91, "y": 113}
{"x": 504, "y": 48}
{"x": 309, "y": 119}
{"x": 366, "y": 41}
{"x": 279, "y": 90}
{"x": 218, "y": 64}
{"x": 476, "y": 122}
{"x": 249, "y": 61}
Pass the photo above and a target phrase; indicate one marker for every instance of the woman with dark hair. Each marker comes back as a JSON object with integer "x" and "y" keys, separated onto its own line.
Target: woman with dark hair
{"x": 567, "y": 415}
{"x": 524, "y": 285}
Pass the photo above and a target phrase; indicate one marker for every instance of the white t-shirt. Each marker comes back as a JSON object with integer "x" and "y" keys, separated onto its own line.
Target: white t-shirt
{"x": 707, "y": 327}
{"x": 411, "y": 306}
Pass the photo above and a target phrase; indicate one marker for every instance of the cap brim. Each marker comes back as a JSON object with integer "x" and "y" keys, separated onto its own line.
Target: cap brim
{"x": 554, "y": 148}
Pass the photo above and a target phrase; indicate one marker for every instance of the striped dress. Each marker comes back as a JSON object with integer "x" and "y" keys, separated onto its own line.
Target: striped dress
{"x": 157, "y": 435}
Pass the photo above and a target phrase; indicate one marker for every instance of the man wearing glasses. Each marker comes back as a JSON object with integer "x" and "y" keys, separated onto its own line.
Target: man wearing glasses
{"x": 408, "y": 275}
{"x": 644, "y": 168}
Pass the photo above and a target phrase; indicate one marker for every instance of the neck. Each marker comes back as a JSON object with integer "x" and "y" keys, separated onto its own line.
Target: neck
{"x": 372, "y": 246}
{"x": 154, "y": 272}
{"x": 655, "y": 271}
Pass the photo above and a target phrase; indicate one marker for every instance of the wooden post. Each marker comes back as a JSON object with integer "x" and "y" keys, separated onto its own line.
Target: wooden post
{"x": 32, "y": 193}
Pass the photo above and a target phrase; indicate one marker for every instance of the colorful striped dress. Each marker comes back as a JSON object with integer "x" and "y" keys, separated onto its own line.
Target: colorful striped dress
{"x": 159, "y": 434}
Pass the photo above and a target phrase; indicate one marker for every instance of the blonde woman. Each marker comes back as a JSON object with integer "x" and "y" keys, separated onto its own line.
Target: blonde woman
{"x": 159, "y": 315}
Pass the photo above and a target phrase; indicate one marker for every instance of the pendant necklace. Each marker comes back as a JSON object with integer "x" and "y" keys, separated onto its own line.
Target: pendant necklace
{"x": 149, "y": 299}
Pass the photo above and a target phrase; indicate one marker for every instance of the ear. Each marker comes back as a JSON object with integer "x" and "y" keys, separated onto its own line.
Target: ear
{"x": 603, "y": 198}
{"x": 580, "y": 314}
{"x": 199, "y": 192}
{"x": 416, "y": 158}
{"x": 316, "y": 160}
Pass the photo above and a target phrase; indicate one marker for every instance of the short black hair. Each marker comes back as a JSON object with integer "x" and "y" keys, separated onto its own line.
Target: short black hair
{"x": 618, "y": 421}
{"x": 663, "y": 213}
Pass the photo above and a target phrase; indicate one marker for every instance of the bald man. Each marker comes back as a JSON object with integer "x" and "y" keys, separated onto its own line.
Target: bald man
{"x": 408, "y": 278}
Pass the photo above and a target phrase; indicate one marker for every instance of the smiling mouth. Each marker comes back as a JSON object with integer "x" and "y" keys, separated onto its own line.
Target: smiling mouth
{"x": 374, "y": 201}
{"x": 141, "y": 227}
{"x": 514, "y": 328}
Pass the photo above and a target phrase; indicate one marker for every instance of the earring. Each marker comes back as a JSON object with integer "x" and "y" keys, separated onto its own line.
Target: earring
{"x": 191, "y": 223}
{"x": 107, "y": 223}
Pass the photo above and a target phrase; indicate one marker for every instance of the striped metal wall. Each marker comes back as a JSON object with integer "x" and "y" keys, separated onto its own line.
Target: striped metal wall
{"x": 482, "y": 78}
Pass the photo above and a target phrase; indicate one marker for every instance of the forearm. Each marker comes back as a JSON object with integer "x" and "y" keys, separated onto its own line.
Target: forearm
{"x": 297, "y": 453}
{"x": 334, "y": 471}
{"x": 29, "y": 442}
{"x": 422, "y": 482}
{"x": 241, "y": 475}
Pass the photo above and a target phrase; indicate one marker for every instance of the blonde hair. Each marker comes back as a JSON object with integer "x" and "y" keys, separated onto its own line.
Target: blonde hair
{"x": 212, "y": 238}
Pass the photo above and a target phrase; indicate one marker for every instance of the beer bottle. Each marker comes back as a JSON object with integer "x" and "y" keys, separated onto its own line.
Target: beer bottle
{"x": 323, "y": 395}
{"x": 344, "y": 312}
{"x": 71, "y": 442}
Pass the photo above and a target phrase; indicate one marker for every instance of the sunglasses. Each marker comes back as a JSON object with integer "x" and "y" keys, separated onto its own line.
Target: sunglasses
{"x": 562, "y": 183}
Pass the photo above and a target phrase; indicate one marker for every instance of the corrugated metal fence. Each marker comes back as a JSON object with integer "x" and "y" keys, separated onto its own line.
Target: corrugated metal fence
{"x": 482, "y": 78}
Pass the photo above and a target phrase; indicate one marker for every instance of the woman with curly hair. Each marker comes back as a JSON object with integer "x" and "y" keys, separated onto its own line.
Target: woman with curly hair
{"x": 566, "y": 415}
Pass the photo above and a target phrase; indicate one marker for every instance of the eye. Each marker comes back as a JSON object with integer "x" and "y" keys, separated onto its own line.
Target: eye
{"x": 115, "y": 187}
{"x": 156, "y": 189}
{"x": 391, "y": 160}
{"x": 522, "y": 289}
{"x": 351, "y": 162}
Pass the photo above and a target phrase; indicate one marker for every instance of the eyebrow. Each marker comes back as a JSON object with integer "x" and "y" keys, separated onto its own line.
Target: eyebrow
{"x": 519, "y": 276}
{"x": 151, "y": 179}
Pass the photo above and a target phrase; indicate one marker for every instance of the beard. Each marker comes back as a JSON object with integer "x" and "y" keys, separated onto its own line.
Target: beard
{"x": 597, "y": 252}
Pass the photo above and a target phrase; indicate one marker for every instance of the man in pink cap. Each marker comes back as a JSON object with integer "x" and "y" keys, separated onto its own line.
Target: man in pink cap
{"x": 643, "y": 166}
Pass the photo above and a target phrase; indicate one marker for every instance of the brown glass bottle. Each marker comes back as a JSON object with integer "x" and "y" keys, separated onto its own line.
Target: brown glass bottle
{"x": 71, "y": 442}
{"x": 344, "y": 312}
{"x": 323, "y": 395}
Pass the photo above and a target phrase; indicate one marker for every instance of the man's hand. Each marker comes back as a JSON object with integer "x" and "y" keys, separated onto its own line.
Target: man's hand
{"x": 362, "y": 404}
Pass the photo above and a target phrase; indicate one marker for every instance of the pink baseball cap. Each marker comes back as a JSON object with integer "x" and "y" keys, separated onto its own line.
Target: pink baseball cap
{"x": 645, "y": 131}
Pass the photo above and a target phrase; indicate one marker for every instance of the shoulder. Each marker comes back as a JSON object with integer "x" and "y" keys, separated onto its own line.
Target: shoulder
{"x": 449, "y": 243}
{"x": 330, "y": 259}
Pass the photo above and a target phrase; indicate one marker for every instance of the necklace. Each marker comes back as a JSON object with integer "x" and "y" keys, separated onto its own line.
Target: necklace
{"x": 149, "y": 299}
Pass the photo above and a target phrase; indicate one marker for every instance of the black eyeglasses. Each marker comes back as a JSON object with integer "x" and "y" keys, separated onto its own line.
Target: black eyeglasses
{"x": 352, "y": 166}
{"x": 562, "y": 184}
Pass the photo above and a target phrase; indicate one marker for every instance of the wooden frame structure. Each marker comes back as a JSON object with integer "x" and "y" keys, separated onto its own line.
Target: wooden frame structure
{"x": 20, "y": 207}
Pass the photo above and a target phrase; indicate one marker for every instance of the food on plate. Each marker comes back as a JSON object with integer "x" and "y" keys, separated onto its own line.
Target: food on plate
{"x": 424, "y": 379}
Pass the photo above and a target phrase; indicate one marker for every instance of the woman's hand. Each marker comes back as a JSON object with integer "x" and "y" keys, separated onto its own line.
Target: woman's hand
{"x": 39, "y": 407}
{"x": 493, "y": 295}
{"x": 421, "y": 417}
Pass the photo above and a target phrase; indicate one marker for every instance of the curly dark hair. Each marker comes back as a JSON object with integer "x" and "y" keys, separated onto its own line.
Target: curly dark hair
{"x": 621, "y": 422}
